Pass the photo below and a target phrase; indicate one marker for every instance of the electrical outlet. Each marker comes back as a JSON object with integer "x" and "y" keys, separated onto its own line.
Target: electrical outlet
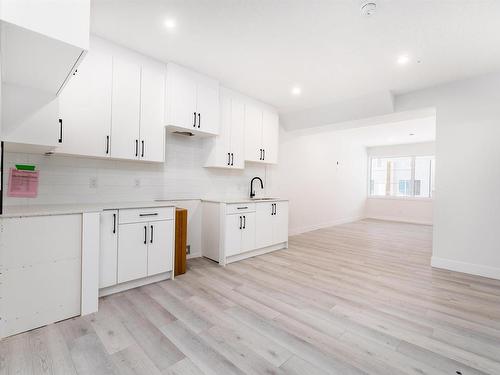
{"x": 188, "y": 249}
{"x": 137, "y": 183}
{"x": 93, "y": 182}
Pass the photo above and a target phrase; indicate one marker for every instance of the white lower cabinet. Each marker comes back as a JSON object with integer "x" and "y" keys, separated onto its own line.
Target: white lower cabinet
{"x": 272, "y": 223}
{"x": 240, "y": 233}
{"x": 135, "y": 244}
{"x": 132, "y": 252}
{"x": 232, "y": 231}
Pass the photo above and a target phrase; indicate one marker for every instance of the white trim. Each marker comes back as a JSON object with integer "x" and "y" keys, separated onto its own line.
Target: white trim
{"x": 469, "y": 268}
{"x": 296, "y": 231}
{"x": 253, "y": 253}
{"x": 135, "y": 283}
{"x": 400, "y": 219}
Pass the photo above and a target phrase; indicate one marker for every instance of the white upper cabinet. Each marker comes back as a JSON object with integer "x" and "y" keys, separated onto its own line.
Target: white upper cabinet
{"x": 85, "y": 108}
{"x": 192, "y": 102}
{"x": 54, "y": 34}
{"x": 261, "y": 134}
{"x": 114, "y": 106}
{"x": 125, "y": 109}
{"x": 227, "y": 149}
{"x": 152, "y": 129}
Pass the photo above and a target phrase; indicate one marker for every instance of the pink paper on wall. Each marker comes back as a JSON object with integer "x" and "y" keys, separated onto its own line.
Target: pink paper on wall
{"x": 23, "y": 184}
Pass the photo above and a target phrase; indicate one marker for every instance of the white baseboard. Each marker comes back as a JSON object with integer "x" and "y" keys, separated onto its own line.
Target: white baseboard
{"x": 400, "y": 219}
{"x": 295, "y": 231}
{"x": 469, "y": 268}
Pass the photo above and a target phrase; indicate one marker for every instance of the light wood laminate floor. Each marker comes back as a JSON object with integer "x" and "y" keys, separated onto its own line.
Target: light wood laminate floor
{"x": 351, "y": 299}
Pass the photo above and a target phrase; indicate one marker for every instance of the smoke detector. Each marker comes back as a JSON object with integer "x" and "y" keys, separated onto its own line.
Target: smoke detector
{"x": 368, "y": 7}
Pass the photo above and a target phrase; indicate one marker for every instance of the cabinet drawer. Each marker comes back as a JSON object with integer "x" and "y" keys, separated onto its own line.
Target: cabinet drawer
{"x": 239, "y": 208}
{"x": 138, "y": 215}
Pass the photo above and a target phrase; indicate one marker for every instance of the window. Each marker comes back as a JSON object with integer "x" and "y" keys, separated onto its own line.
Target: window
{"x": 411, "y": 176}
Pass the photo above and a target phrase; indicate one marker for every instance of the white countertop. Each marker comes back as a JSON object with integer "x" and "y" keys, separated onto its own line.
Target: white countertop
{"x": 244, "y": 200}
{"x": 65, "y": 209}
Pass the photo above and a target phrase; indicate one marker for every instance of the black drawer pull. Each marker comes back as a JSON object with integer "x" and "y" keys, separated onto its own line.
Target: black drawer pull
{"x": 152, "y": 214}
{"x": 242, "y": 208}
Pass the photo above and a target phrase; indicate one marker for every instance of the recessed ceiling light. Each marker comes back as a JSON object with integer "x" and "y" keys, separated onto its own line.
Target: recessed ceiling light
{"x": 296, "y": 90}
{"x": 170, "y": 23}
{"x": 412, "y": 134}
{"x": 403, "y": 59}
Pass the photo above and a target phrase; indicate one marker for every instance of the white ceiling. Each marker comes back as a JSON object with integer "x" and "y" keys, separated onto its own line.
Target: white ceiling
{"x": 396, "y": 133}
{"x": 264, "y": 47}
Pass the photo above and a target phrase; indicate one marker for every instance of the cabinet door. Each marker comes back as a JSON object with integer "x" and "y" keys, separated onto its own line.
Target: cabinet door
{"x": 132, "y": 251}
{"x": 207, "y": 108}
{"x": 233, "y": 234}
{"x": 280, "y": 223}
{"x": 270, "y": 136}
{"x": 108, "y": 252}
{"x": 125, "y": 109}
{"x": 248, "y": 233}
{"x": 223, "y": 141}
{"x": 181, "y": 98}
{"x": 85, "y": 108}
{"x": 160, "y": 246}
{"x": 264, "y": 224}
{"x": 29, "y": 116}
{"x": 152, "y": 129}
{"x": 237, "y": 133}
{"x": 253, "y": 133}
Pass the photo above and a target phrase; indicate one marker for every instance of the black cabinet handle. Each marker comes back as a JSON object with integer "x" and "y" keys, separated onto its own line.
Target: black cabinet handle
{"x": 107, "y": 144}
{"x": 194, "y": 120}
{"x": 232, "y": 158}
{"x": 260, "y": 158}
{"x": 151, "y": 214}
{"x": 199, "y": 120}
{"x": 145, "y": 235}
{"x": 241, "y": 222}
{"x": 114, "y": 223}
{"x": 151, "y": 239}
{"x": 244, "y": 222}
{"x": 136, "y": 148}
{"x": 242, "y": 208}
{"x": 263, "y": 154}
{"x": 142, "y": 152}
{"x": 60, "y": 131}
{"x": 228, "y": 158}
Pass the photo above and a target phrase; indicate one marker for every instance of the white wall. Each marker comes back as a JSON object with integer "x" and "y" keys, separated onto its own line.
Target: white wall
{"x": 410, "y": 210}
{"x": 467, "y": 200}
{"x": 321, "y": 192}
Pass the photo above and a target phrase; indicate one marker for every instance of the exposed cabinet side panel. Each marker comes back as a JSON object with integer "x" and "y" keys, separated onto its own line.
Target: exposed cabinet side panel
{"x": 40, "y": 282}
{"x": 85, "y": 108}
{"x": 152, "y": 128}
{"x": 125, "y": 110}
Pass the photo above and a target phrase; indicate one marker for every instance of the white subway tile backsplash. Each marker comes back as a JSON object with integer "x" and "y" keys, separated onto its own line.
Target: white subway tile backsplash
{"x": 66, "y": 179}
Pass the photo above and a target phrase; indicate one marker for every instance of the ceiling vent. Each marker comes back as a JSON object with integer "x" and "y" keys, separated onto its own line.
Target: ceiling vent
{"x": 368, "y": 8}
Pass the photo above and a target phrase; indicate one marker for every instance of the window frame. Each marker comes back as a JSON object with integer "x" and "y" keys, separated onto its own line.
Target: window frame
{"x": 412, "y": 197}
